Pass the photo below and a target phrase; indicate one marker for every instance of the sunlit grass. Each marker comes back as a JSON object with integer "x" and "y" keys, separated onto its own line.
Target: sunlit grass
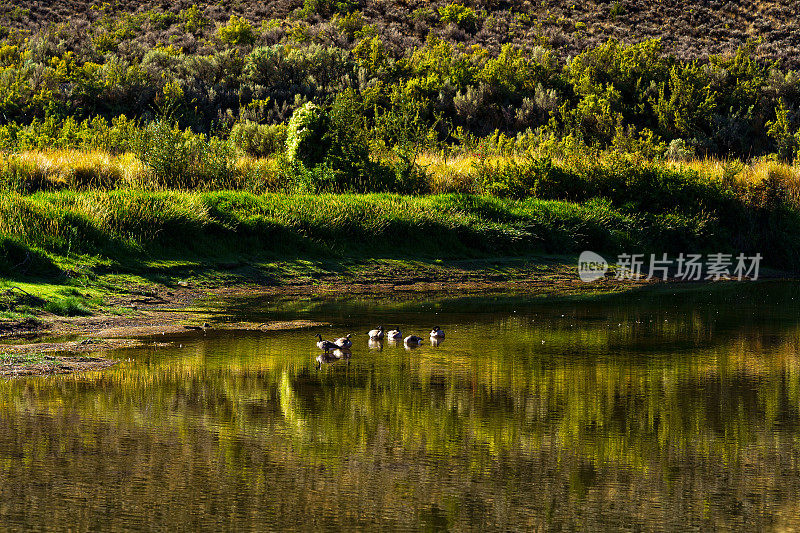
{"x": 75, "y": 169}
{"x": 95, "y": 169}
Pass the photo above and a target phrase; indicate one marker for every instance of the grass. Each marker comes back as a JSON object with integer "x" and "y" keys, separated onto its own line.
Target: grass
{"x": 602, "y": 208}
{"x": 61, "y": 245}
{"x": 75, "y": 169}
{"x": 64, "y": 297}
{"x": 128, "y": 223}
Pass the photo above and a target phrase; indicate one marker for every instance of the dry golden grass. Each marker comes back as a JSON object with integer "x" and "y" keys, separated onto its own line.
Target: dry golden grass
{"x": 75, "y": 169}
{"x": 93, "y": 169}
{"x": 754, "y": 172}
{"x": 259, "y": 174}
{"x": 456, "y": 174}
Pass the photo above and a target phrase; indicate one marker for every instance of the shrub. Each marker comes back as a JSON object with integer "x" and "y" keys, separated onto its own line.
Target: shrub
{"x": 194, "y": 19}
{"x": 616, "y": 10}
{"x": 305, "y": 135}
{"x": 259, "y": 140}
{"x": 530, "y": 177}
{"x": 781, "y": 133}
{"x": 679, "y": 151}
{"x": 182, "y": 159}
{"x": 238, "y": 31}
{"x": 462, "y": 16}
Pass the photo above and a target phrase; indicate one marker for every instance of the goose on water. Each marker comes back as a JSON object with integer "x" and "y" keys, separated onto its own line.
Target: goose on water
{"x": 326, "y": 346}
{"x": 412, "y": 340}
{"x": 437, "y": 333}
{"x": 376, "y": 333}
{"x": 344, "y": 342}
{"x": 394, "y": 335}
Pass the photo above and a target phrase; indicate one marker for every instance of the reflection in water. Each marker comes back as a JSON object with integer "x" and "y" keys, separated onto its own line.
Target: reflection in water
{"x": 675, "y": 412}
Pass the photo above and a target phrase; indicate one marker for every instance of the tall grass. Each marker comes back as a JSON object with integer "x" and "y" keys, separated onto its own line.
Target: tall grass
{"x": 133, "y": 222}
{"x": 32, "y": 171}
{"x": 127, "y": 227}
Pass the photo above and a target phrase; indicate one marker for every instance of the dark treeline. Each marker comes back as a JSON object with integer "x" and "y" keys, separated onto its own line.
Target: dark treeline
{"x": 450, "y": 81}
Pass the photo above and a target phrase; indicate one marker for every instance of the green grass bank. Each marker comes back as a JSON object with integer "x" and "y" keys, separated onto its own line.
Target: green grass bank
{"x": 65, "y": 250}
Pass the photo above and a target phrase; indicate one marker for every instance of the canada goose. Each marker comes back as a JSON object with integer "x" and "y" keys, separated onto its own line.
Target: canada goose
{"x": 344, "y": 342}
{"x": 324, "y": 345}
{"x": 394, "y": 335}
{"x": 376, "y": 333}
{"x": 412, "y": 340}
{"x": 437, "y": 332}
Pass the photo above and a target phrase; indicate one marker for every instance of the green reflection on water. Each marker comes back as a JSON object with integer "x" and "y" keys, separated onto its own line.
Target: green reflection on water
{"x": 640, "y": 411}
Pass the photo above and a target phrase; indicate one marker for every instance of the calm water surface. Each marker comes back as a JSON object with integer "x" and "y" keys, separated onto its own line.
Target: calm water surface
{"x": 666, "y": 411}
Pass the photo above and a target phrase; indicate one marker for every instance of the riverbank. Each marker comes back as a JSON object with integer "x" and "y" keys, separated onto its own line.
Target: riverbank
{"x": 133, "y": 306}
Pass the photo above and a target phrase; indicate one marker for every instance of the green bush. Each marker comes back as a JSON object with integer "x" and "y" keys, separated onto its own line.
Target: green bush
{"x": 536, "y": 177}
{"x": 182, "y": 159}
{"x": 780, "y": 131}
{"x": 462, "y": 16}
{"x": 238, "y": 31}
{"x": 678, "y": 150}
{"x": 194, "y": 19}
{"x": 305, "y": 134}
{"x": 52, "y": 132}
{"x": 259, "y": 140}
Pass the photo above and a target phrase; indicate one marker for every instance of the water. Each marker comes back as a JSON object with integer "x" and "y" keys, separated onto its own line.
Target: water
{"x": 646, "y": 411}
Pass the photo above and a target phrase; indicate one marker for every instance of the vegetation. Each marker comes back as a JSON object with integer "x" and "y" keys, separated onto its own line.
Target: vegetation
{"x": 21, "y": 361}
{"x": 192, "y": 131}
{"x": 67, "y": 86}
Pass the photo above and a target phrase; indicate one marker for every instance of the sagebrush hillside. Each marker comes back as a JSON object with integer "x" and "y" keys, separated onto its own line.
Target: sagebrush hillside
{"x": 688, "y": 29}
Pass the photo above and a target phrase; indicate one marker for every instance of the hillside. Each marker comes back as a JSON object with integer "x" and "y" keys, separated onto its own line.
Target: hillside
{"x": 688, "y": 29}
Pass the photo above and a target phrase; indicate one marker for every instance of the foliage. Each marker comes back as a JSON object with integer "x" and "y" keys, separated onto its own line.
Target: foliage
{"x": 609, "y": 94}
{"x": 181, "y": 159}
{"x": 260, "y": 140}
{"x": 306, "y": 135}
{"x": 194, "y": 18}
{"x": 238, "y": 31}
{"x": 460, "y": 15}
{"x": 780, "y": 131}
